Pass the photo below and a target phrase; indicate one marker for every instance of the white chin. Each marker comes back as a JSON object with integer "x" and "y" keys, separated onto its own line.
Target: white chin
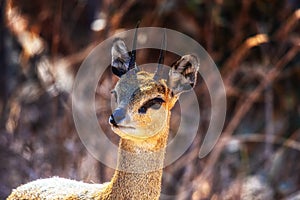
{"x": 132, "y": 133}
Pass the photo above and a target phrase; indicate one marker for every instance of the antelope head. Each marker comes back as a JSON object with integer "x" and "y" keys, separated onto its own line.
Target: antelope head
{"x": 144, "y": 100}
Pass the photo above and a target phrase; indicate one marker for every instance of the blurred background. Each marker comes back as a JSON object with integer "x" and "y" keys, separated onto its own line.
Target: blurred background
{"x": 255, "y": 44}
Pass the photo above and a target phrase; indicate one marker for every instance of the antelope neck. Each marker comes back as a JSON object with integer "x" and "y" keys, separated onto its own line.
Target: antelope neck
{"x": 139, "y": 170}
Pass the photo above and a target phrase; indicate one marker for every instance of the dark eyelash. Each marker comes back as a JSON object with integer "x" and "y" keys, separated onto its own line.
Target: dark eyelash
{"x": 150, "y": 103}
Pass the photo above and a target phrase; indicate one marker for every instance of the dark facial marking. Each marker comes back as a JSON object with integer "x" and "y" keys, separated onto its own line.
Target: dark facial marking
{"x": 115, "y": 95}
{"x": 154, "y": 103}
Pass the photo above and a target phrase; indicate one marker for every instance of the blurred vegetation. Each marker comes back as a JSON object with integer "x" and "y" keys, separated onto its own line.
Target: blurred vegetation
{"x": 255, "y": 44}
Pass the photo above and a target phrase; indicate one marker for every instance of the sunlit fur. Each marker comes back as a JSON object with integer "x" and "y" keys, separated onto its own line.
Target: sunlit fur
{"x": 143, "y": 137}
{"x": 132, "y": 92}
{"x": 147, "y": 143}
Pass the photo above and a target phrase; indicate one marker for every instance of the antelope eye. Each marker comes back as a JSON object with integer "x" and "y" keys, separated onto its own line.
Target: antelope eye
{"x": 154, "y": 103}
{"x": 142, "y": 110}
{"x": 114, "y": 100}
{"x": 114, "y": 94}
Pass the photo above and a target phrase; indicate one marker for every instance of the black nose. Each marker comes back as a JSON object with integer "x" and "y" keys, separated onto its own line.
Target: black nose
{"x": 117, "y": 116}
{"x": 112, "y": 120}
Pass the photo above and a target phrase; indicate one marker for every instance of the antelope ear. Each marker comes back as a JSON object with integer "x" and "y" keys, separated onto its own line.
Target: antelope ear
{"x": 183, "y": 74}
{"x": 120, "y": 58}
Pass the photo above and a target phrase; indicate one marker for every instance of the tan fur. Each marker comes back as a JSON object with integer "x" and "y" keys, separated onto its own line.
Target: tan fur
{"x": 144, "y": 136}
{"x": 147, "y": 183}
{"x": 124, "y": 185}
{"x": 147, "y": 159}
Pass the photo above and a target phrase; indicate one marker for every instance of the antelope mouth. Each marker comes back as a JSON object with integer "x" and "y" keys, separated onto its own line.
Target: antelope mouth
{"x": 123, "y": 127}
